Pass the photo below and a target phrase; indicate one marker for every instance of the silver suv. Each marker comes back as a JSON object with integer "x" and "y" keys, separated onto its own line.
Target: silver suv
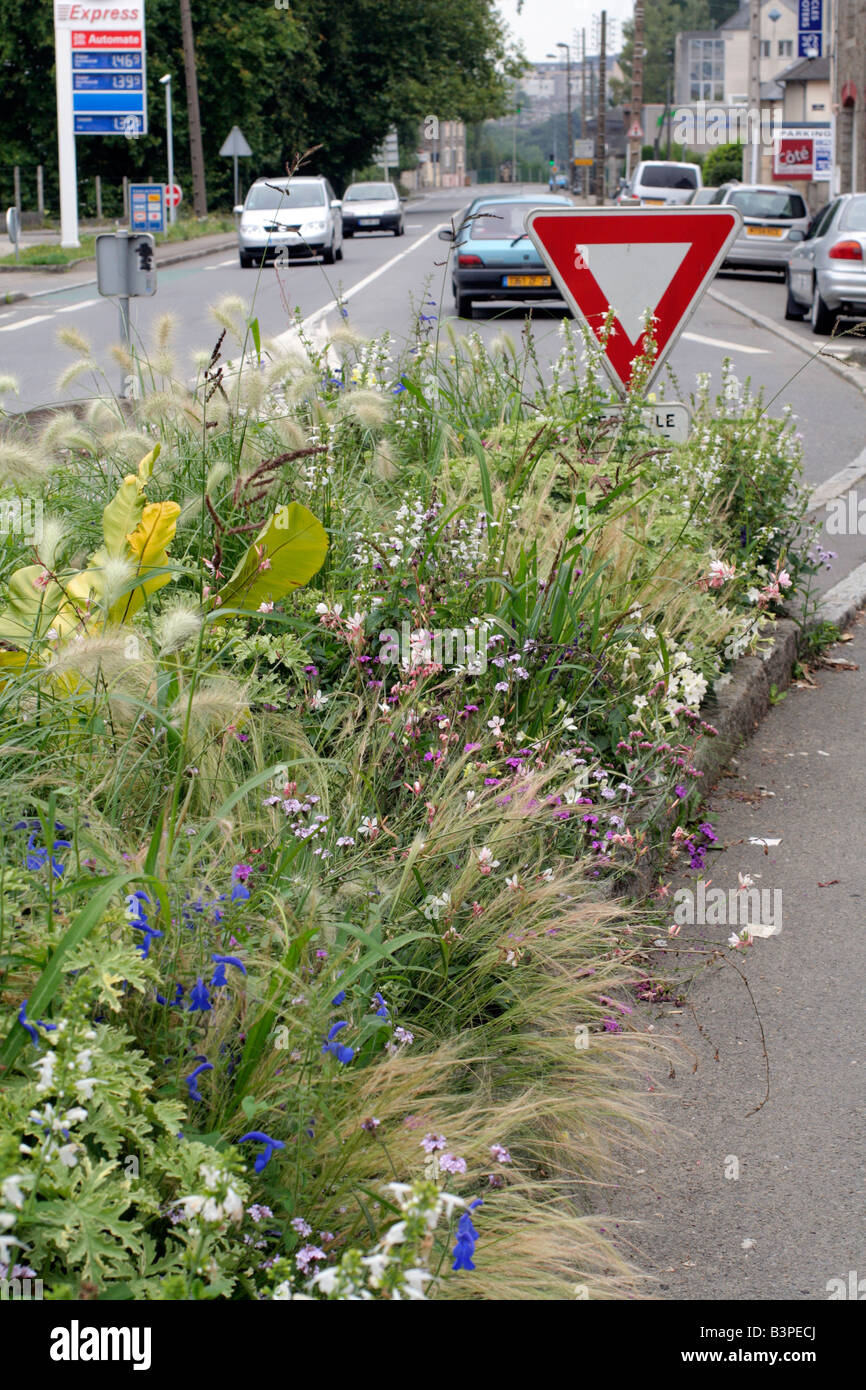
{"x": 296, "y": 217}
{"x": 771, "y": 212}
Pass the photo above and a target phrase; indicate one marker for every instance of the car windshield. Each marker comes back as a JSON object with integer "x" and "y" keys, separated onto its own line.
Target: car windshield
{"x": 668, "y": 176}
{"x": 854, "y": 219}
{"x": 767, "y": 203}
{"x": 369, "y": 193}
{"x": 502, "y": 221}
{"x": 294, "y": 195}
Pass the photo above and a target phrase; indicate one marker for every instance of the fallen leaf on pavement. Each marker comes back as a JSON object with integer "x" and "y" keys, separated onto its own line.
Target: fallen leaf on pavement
{"x": 829, "y": 883}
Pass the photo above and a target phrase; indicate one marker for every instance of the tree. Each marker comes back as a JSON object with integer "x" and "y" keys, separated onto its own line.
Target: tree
{"x": 722, "y": 164}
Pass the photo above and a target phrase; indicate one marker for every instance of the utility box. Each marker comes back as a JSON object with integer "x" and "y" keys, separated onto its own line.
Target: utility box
{"x": 126, "y": 264}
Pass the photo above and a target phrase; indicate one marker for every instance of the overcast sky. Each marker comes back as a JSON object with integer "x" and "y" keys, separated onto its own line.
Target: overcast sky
{"x": 545, "y": 22}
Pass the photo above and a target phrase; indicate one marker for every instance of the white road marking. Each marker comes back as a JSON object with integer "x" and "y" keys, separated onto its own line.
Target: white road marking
{"x": 414, "y": 226}
{"x": 361, "y": 284}
{"x": 85, "y": 304}
{"x": 219, "y": 265}
{"x": 38, "y": 318}
{"x": 722, "y": 343}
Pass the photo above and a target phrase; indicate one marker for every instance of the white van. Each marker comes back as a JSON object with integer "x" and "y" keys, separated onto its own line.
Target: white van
{"x": 663, "y": 182}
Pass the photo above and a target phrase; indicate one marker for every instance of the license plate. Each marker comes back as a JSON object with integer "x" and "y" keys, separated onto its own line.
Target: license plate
{"x": 764, "y": 231}
{"x": 369, "y": 221}
{"x": 526, "y": 281}
{"x": 654, "y": 202}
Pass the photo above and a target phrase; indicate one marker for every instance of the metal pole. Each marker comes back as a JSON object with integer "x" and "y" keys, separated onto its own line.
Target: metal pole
{"x": 237, "y": 188}
{"x": 125, "y": 338}
{"x": 754, "y": 90}
{"x": 40, "y": 191}
{"x": 169, "y": 135}
{"x": 98, "y": 181}
{"x": 125, "y": 197}
{"x": 585, "y": 171}
{"x": 16, "y": 174}
{"x": 634, "y": 146}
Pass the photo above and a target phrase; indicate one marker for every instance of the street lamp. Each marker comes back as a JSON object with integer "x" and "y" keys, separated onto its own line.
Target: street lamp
{"x": 568, "y": 109}
{"x": 169, "y": 139}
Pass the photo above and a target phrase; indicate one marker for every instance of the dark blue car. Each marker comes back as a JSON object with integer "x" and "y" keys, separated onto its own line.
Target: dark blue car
{"x": 493, "y": 258}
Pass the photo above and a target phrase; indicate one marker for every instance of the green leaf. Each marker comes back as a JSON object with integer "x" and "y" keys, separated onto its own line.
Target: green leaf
{"x": 257, "y": 336}
{"x": 249, "y": 1105}
{"x": 29, "y": 611}
{"x": 121, "y": 516}
{"x": 285, "y": 555}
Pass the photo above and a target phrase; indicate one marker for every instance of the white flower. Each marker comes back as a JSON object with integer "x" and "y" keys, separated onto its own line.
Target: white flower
{"x": 45, "y": 1066}
{"x": 13, "y": 1196}
{"x": 395, "y": 1235}
{"x": 266, "y": 607}
{"x": 67, "y": 1155}
{"x": 496, "y": 724}
{"x": 85, "y": 1086}
{"x": 283, "y": 1291}
{"x": 513, "y": 883}
{"x": 73, "y": 1116}
{"x": 369, "y": 826}
{"x": 319, "y": 700}
{"x": 486, "y": 862}
{"x": 376, "y": 1264}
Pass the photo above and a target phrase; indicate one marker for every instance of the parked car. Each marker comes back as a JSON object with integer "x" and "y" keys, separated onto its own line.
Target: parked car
{"x": 300, "y": 214}
{"x": 372, "y": 207}
{"x": 775, "y": 217}
{"x": 662, "y": 182}
{"x": 493, "y": 258}
{"x": 826, "y": 274}
{"x": 702, "y": 196}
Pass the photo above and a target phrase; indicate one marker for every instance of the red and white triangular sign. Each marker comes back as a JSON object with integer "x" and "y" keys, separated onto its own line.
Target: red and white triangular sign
{"x": 633, "y": 261}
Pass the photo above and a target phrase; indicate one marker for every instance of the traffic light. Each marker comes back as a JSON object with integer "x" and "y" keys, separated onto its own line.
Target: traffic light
{"x": 552, "y": 161}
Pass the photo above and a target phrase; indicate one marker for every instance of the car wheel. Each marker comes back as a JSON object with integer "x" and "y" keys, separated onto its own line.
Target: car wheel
{"x": 247, "y": 262}
{"x": 338, "y": 254}
{"x": 346, "y": 233}
{"x": 823, "y": 319}
{"x": 463, "y": 305}
{"x": 793, "y": 308}
{"x": 328, "y": 254}
{"x": 399, "y": 229}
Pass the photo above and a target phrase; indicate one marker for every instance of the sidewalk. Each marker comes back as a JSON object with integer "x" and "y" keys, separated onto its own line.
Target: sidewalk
{"x": 769, "y": 1205}
{"x": 24, "y": 284}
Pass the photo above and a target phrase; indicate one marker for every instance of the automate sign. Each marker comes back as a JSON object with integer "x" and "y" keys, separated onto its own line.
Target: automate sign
{"x": 147, "y": 204}
{"x": 106, "y": 46}
{"x": 630, "y": 263}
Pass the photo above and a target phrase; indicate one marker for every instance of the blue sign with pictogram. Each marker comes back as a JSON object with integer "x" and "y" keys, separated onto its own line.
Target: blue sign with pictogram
{"x": 810, "y": 28}
{"x": 147, "y": 207}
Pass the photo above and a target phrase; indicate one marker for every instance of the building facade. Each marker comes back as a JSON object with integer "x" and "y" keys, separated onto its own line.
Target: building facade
{"x": 849, "y": 95}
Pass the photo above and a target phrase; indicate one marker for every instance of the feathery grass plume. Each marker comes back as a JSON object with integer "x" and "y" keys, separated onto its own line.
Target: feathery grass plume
{"x": 21, "y": 464}
{"x": 366, "y": 407}
{"x": 231, "y": 314}
{"x": 72, "y": 337}
{"x": 117, "y": 574}
{"x": 73, "y": 372}
{"x": 201, "y": 358}
{"x": 216, "y": 703}
{"x": 103, "y": 414}
{"x": 251, "y": 390}
{"x": 54, "y": 434}
{"x": 176, "y": 406}
{"x": 289, "y": 432}
{"x": 177, "y": 625}
{"x": 165, "y": 328}
{"x": 122, "y": 356}
{"x": 128, "y": 445}
{"x": 346, "y": 340}
{"x": 384, "y": 464}
{"x": 103, "y": 654}
{"x": 286, "y": 362}
{"x": 162, "y": 364}
{"x": 217, "y": 473}
{"x": 8, "y": 385}
{"x": 54, "y": 532}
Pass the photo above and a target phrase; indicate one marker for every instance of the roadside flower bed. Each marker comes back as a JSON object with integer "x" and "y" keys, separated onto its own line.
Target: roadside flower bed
{"x": 337, "y": 695}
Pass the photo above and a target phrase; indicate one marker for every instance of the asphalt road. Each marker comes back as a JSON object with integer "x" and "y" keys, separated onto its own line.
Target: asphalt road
{"x": 385, "y": 280}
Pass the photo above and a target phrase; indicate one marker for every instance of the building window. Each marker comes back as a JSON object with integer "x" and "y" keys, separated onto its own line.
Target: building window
{"x": 765, "y": 48}
{"x": 706, "y": 69}
{"x": 786, "y": 48}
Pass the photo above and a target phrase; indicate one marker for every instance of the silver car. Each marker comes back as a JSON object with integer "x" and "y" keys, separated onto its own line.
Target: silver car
{"x": 771, "y": 212}
{"x": 827, "y": 271}
{"x": 294, "y": 217}
{"x": 372, "y": 207}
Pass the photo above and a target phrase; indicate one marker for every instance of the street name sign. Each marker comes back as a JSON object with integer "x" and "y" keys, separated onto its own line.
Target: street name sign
{"x": 672, "y": 420}
{"x": 628, "y": 263}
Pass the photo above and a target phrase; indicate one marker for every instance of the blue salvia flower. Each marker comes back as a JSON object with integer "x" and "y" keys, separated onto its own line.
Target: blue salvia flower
{"x": 382, "y": 1011}
{"x": 467, "y": 1237}
{"x": 257, "y": 1136}
{"x": 28, "y": 1027}
{"x": 338, "y": 999}
{"x": 161, "y": 999}
{"x": 337, "y": 1049}
{"x": 240, "y": 891}
{"x": 199, "y": 998}
{"x": 194, "y": 1092}
{"x": 149, "y": 934}
{"x": 37, "y": 856}
{"x": 219, "y": 975}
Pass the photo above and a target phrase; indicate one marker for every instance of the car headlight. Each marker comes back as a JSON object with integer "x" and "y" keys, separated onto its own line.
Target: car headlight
{"x": 310, "y": 228}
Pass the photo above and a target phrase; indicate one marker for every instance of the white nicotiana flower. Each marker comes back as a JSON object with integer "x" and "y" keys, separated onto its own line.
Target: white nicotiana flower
{"x": 67, "y": 1155}
{"x": 12, "y": 1192}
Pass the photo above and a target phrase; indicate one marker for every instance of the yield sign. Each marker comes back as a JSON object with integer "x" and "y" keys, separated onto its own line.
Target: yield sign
{"x": 633, "y": 262}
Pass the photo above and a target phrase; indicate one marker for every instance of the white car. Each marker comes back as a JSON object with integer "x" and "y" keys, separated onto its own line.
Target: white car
{"x": 662, "y": 183}
{"x": 372, "y": 207}
{"x": 294, "y": 217}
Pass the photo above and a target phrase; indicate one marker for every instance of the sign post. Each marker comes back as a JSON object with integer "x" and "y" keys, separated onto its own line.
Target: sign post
{"x": 624, "y": 270}
{"x": 13, "y": 228}
{"x": 101, "y": 87}
{"x": 235, "y": 147}
{"x": 126, "y": 268}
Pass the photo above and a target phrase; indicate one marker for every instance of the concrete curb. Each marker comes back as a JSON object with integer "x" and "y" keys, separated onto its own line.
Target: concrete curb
{"x": 854, "y": 377}
{"x": 229, "y": 244}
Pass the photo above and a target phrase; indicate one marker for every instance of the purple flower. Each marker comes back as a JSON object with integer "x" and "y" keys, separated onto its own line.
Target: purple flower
{"x": 28, "y": 1027}
{"x": 258, "y": 1137}
{"x": 219, "y": 975}
{"x": 199, "y": 998}
{"x": 467, "y": 1238}
{"x": 194, "y": 1092}
{"x": 337, "y": 1049}
{"x": 450, "y": 1163}
{"x": 433, "y": 1142}
{"x": 681, "y": 792}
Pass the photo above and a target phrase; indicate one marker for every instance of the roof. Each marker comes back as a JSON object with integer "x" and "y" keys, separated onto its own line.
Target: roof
{"x": 740, "y": 19}
{"x": 806, "y": 70}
